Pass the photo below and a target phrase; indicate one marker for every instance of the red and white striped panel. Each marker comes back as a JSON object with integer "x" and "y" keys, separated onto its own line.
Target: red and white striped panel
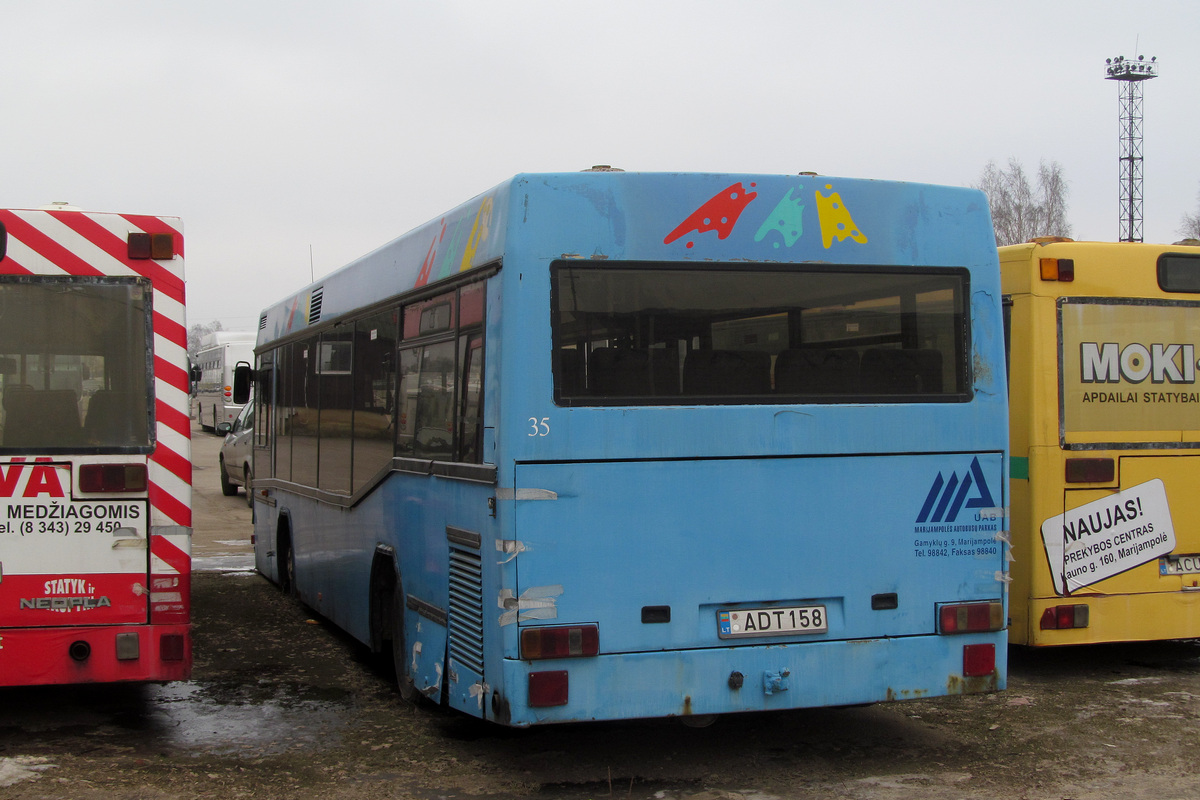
{"x": 82, "y": 243}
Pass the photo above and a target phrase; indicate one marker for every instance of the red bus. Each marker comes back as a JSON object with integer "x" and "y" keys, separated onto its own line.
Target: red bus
{"x": 95, "y": 449}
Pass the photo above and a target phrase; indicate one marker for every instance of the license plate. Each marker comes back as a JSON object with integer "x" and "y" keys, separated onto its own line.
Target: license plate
{"x": 777, "y": 621}
{"x": 1179, "y": 565}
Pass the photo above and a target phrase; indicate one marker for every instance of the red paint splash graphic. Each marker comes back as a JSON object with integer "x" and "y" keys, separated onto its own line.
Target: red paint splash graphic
{"x": 427, "y": 265}
{"x": 719, "y": 214}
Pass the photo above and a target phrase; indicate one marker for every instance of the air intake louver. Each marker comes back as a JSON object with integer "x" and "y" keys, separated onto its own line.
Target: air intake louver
{"x": 466, "y": 609}
{"x": 314, "y": 305}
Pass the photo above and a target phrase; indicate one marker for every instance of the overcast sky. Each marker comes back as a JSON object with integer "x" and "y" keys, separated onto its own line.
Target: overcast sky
{"x": 279, "y": 129}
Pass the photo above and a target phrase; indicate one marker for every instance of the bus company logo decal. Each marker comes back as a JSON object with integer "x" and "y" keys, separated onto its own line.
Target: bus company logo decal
{"x": 64, "y": 595}
{"x": 948, "y": 497}
{"x": 1108, "y": 362}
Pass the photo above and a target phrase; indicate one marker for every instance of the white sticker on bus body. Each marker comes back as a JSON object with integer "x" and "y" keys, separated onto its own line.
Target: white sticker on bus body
{"x": 1108, "y": 536}
{"x": 536, "y": 602}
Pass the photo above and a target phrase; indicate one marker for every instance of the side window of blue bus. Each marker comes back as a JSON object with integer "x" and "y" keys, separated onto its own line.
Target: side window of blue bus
{"x": 440, "y": 392}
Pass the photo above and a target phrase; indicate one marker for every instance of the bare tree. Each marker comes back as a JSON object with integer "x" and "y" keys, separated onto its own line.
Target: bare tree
{"x": 1018, "y": 212}
{"x": 197, "y": 332}
{"x": 1190, "y": 226}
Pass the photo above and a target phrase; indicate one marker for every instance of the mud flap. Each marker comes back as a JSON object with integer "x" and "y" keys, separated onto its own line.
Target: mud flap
{"x": 426, "y": 653}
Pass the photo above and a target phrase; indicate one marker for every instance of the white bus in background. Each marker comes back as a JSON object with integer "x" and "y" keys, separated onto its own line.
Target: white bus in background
{"x": 212, "y": 372}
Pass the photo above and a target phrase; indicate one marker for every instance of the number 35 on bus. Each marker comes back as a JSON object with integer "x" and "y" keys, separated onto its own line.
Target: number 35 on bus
{"x": 608, "y": 445}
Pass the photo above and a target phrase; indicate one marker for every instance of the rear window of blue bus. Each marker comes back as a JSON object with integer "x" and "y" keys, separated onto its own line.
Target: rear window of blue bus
{"x": 684, "y": 334}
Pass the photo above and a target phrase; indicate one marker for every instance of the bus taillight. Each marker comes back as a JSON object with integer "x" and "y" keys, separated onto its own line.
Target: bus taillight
{"x": 1091, "y": 470}
{"x": 229, "y": 391}
{"x": 112, "y": 478}
{"x": 159, "y": 246}
{"x": 572, "y": 642}
{"x": 971, "y": 617}
{"x": 1058, "y": 618}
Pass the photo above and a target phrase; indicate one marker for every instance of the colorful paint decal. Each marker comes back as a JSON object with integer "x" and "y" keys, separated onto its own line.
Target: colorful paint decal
{"x": 1109, "y": 536}
{"x": 720, "y": 213}
{"x": 479, "y": 234}
{"x": 787, "y": 219}
{"x": 431, "y": 256}
{"x": 836, "y": 221}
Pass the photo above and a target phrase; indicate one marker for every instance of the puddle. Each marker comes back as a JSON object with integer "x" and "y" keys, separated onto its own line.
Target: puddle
{"x": 249, "y": 718}
{"x": 242, "y": 562}
{"x": 228, "y": 720}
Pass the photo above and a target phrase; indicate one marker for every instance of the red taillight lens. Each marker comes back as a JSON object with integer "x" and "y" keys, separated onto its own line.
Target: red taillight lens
{"x": 171, "y": 647}
{"x": 548, "y": 689}
{"x": 1091, "y": 470}
{"x": 979, "y": 660}
{"x": 1065, "y": 617}
{"x": 572, "y": 642}
{"x": 151, "y": 245}
{"x": 229, "y": 391}
{"x": 971, "y": 617}
{"x": 112, "y": 478}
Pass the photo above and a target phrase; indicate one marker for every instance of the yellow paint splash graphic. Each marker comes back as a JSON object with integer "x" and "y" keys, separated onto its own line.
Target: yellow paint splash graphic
{"x": 835, "y": 219}
{"x": 479, "y": 233}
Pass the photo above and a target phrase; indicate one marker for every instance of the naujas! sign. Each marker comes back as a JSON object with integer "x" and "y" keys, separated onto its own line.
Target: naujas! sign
{"x": 1108, "y": 536}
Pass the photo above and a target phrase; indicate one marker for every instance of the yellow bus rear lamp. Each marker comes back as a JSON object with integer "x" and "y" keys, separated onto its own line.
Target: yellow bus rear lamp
{"x": 1058, "y": 618}
{"x": 1057, "y": 269}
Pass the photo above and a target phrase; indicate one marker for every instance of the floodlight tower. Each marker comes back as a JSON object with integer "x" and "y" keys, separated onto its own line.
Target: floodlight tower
{"x": 1131, "y": 74}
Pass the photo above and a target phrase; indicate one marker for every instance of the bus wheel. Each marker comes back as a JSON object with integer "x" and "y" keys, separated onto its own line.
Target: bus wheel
{"x": 287, "y": 566}
{"x": 400, "y": 656}
{"x": 228, "y": 489}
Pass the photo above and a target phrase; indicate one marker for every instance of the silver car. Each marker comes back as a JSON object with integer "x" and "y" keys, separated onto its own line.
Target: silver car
{"x": 235, "y": 453}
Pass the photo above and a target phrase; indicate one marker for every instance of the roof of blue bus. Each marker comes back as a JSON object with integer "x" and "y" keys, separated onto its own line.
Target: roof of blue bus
{"x": 658, "y": 217}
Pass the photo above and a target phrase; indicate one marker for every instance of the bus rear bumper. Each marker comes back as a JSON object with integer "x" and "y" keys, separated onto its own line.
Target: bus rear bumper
{"x": 106, "y": 654}
{"x": 747, "y": 678}
{"x": 1145, "y": 617}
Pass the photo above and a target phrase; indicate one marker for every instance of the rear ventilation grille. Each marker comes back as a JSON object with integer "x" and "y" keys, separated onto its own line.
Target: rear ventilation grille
{"x": 314, "y": 305}
{"x": 262, "y": 322}
{"x": 466, "y": 609}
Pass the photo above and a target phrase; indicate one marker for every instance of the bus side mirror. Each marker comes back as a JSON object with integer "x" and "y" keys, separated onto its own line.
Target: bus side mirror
{"x": 195, "y": 374}
{"x": 243, "y": 376}
{"x": 3, "y": 241}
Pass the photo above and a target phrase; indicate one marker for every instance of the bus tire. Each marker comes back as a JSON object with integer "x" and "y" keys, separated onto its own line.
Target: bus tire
{"x": 400, "y": 656}
{"x": 287, "y": 564}
{"x": 227, "y": 488}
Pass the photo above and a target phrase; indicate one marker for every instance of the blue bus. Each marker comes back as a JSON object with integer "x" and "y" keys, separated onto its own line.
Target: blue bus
{"x": 609, "y": 445}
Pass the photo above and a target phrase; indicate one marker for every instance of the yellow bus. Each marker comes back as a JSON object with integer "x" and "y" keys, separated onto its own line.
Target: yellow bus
{"x": 1103, "y": 343}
